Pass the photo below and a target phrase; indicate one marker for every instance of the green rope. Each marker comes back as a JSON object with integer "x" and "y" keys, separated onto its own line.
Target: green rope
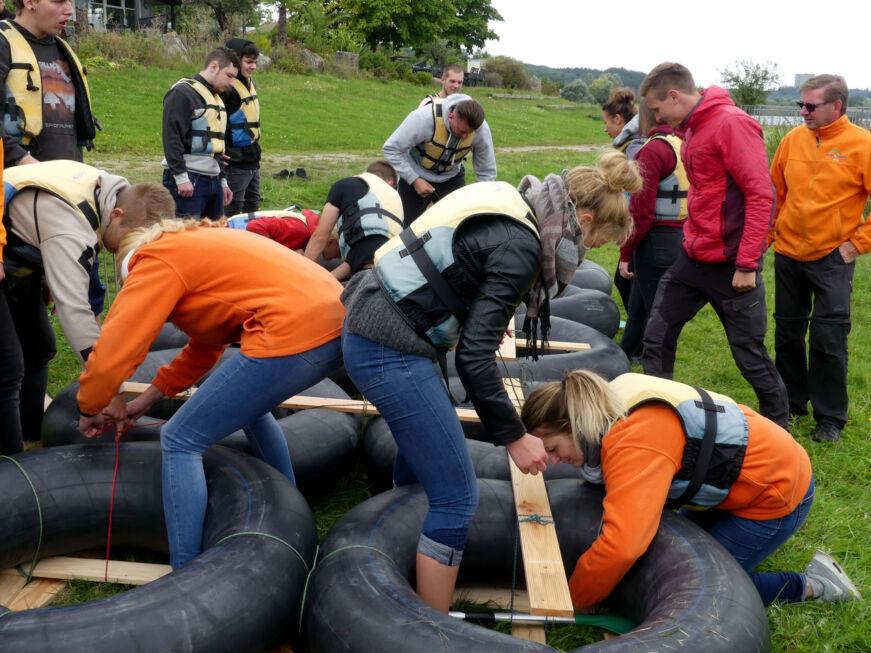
{"x": 305, "y": 590}
{"x": 356, "y": 546}
{"x": 3, "y": 614}
{"x": 38, "y": 510}
{"x": 268, "y": 536}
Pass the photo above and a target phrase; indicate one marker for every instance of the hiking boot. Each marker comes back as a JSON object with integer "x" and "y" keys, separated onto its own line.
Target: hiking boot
{"x": 283, "y": 174}
{"x": 836, "y": 585}
{"x": 301, "y": 174}
{"x": 827, "y": 432}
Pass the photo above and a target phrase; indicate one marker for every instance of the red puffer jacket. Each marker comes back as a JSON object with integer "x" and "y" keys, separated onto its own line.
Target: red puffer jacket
{"x": 731, "y": 198}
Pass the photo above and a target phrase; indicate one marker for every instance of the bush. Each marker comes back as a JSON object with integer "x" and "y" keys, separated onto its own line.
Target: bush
{"x": 287, "y": 59}
{"x": 103, "y": 49}
{"x": 423, "y": 79}
{"x": 577, "y": 91}
{"x": 511, "y": 71}
{"x": 550, "y": 87}
{"x": 374, "y": 59}
{"x": 493, "y": 79}
{"x": 600, "y": 88}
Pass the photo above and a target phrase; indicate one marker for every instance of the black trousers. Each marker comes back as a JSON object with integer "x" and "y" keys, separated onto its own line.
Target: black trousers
{"x": 815, "y": 294}
{"x": 413, "y": 204}
{"x": 683, "y": 291}
{"x": 27, "y": 345}
{"x": 651, "y": 259}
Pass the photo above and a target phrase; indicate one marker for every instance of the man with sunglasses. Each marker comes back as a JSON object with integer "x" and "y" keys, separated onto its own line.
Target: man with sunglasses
{"x": 730, "y": 205}
{"x": 822, "y": 175}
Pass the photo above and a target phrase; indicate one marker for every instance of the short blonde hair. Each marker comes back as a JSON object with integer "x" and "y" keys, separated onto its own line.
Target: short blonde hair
{"x": 601, "y": 190}
{"x": 583, "y": 403}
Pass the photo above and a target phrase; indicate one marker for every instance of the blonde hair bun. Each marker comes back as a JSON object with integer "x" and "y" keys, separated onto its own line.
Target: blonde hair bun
{"x": 620, "y": 174}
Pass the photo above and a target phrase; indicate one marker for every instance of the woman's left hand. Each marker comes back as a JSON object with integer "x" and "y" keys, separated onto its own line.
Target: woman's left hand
{"x": 116, "y": 410}
{"x": 91, "y": 426}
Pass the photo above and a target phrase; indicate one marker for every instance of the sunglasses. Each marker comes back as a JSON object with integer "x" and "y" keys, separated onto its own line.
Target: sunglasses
{"x": 810, "y": 106}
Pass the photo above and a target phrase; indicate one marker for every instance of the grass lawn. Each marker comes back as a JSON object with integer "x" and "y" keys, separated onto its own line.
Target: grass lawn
{"x": 334, "y": 127}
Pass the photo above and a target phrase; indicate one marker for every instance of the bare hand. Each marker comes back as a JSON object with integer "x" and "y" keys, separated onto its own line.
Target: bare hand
{"x": 91, "y": 426}
{"x": 2, "y": 271}
{"x": 623, "y": 268}
{"x": 528, "y": 454}
{"x": 422, "y": 187}
{"x": 137, "y": 407}
{"x": 744, "y": 281}
{"x": 228, "y": 195}
{"x": 848, "y": 251}
{"x": 116, "y": 410}
{"x": 185, "y": 190}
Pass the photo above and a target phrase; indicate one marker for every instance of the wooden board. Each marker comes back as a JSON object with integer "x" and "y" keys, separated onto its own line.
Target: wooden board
{"x": 497, "y": 595}
{"x": 10, "y": 586}
{"x": 508, "y": 346}
{"x": 36, "y": 594}
{"x": 125, "y": 573}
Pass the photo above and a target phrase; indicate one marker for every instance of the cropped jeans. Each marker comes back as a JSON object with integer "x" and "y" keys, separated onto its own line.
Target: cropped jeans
{"x": 239, "y": 394}
{"x": 410, "y": 394}
{"x": 750, "y": 541}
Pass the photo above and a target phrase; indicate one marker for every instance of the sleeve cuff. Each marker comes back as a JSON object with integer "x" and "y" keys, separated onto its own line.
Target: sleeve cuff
{"x": 182, "y": 179}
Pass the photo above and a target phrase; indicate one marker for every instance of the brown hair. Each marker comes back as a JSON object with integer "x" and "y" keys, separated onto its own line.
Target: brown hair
{"x": 383, "y": 169}
{"x": 646, "y": 119}
{"x": 583, "y": 403}
{"x": 835, "y": 88}
{"x": 471, "y": 112}
{"x": 453, "y": 68}
{"x": 621, "y": 103}
{"x": 601, "y": 190}
{"x": 667, "y": 76}
{"x": 224, "y": 56}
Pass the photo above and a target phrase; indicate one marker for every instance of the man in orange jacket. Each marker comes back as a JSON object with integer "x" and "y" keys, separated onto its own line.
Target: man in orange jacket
{"x": 822, "y": 175}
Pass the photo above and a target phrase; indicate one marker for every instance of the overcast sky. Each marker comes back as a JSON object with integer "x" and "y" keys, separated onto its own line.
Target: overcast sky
{"x": 705, "y": 35}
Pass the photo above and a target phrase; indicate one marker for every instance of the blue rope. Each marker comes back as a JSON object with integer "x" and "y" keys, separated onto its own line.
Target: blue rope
{"x": 535, "y": 518}
{"x": 38, "y": 511}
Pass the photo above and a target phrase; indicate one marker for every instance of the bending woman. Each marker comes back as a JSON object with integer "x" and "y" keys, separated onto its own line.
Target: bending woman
{"x": 640, "y": 436}
{"x": 284, "y": 310}
{"x": 453, "y": 280}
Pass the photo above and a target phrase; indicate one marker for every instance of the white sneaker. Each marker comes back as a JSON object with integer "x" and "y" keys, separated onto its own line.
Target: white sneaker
{"x": 837, "y": 586}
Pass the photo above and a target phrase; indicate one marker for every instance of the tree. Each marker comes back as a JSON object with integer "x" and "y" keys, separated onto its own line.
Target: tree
{"x": 469, "y": 24}
{"x": 511, "y": 71}
{"x": 577, "y": 91}
{"x": 600, "y": 88}
{"x": 224, "y": 10}
{"x": 750, "y": 82}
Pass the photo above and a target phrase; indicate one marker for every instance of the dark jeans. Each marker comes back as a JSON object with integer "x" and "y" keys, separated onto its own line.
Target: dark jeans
{"x": 652, "y": 258}
{"x": 683, "y": 291}
{"x": 815, "y": 293}
{"x": 750, "y": 541}
{"x": 27, "y": 346}
{"x": 624, "y": 289}
{"x": 413, "y": 204}
{"x": 245, "y": 185}
{"x": 207, "y": 200}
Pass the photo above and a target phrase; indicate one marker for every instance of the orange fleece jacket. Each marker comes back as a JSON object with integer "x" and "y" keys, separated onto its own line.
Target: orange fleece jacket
{"x": 641, "y": 455}
{"x": 823, "y": 179}
{"x": 218, "y": 286}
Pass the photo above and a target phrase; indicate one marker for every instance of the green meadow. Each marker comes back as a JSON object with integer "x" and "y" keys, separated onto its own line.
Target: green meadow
{"x": 334, "y": 127}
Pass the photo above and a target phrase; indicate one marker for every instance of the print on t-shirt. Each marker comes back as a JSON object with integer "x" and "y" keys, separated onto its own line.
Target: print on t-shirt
{"x": 58, "y": 96}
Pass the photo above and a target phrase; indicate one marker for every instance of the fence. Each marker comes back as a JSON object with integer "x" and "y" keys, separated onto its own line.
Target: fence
{"x": 784, "y": 114}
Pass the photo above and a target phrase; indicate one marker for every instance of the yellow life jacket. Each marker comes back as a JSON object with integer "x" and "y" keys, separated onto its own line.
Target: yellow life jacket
{"x": 73, "y": 182}
{"x": 377, "y": 213}
{"x": 23, "y": 111}
{"x": 208, "y": 129}
{"x": 443, "y": 150}
{"x": 245, "y": 122}
{"x": 716, "y": 434}
{"x": 410, "y": 266}
{"x": 671, "y": 195}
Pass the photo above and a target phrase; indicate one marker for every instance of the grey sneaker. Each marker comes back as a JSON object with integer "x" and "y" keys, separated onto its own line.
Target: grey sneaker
{"x": 837, "y": 586}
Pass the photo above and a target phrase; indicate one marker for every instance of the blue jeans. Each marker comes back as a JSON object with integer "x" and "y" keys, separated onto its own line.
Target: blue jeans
{"x": 751, "y": 541}
{"x": 239, "y": 394}
{"x": 207, "y": 200}
{"x": 410, "y": 394}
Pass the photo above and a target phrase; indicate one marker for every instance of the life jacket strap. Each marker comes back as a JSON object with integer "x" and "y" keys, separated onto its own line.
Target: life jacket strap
{"x": 441, "y": 288}
{"x": 706, "y": 450}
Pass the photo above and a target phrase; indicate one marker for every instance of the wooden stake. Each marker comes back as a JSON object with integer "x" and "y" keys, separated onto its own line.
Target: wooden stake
{"x": 36, "y": 594}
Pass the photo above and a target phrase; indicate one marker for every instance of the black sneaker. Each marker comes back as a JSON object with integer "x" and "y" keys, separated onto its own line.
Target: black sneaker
{"x": 301, "y": 174}
{"x": 283, "y": 174}
{"x": 827, "y": 432}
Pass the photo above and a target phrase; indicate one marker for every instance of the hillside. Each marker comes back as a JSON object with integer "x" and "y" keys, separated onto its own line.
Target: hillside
{"x": 630, "y": 78}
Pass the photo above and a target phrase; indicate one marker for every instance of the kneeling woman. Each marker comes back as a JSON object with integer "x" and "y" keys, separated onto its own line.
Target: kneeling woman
{"x": 454, "y": 279}
{"x": 645, "y": 438}
{"x": 219, "y": 286}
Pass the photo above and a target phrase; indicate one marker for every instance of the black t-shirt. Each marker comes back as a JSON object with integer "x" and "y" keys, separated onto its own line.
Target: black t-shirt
{"x": 345, "y": 194}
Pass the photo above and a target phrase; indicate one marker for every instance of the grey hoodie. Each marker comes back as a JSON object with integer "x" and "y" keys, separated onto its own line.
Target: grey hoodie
{"x": 67, "y": 244}
{"x": 417, "y": 128}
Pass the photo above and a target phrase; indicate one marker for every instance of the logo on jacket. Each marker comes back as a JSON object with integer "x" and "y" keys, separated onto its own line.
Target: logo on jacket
{"x": 836, "y": 155}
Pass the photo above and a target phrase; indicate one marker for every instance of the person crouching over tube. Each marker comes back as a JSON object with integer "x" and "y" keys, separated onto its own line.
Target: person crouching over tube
{"x": 453, "y": 279}
{"x": 657, "y": 443}
{"x": 282, "y": 308}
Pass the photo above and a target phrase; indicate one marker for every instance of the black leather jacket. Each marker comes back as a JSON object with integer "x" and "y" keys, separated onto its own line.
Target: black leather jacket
{"x": 498, "y": 260}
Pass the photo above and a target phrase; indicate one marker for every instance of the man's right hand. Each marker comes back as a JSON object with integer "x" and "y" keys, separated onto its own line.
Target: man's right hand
{"x": 624, "y": 270}
{"x": 528, "y": 454}
{"x": 186, "y": 189}
{"x": 422, "y": 187}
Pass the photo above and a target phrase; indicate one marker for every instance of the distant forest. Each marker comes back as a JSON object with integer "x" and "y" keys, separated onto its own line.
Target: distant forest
{"x": 630, "y": 78}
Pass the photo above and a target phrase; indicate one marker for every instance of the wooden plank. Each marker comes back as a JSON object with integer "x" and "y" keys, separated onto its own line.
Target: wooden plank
{"x": 529, "y": 633}
{"x": 300, "y": 402}
{"x": 508, "y": 346}
{"x": 125, "y": 573}
{"x": 36, "y": 594}
{"x": 559, "y": 345}
{"x": 10, "y": 586}
{"x": 545, "y": 576}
